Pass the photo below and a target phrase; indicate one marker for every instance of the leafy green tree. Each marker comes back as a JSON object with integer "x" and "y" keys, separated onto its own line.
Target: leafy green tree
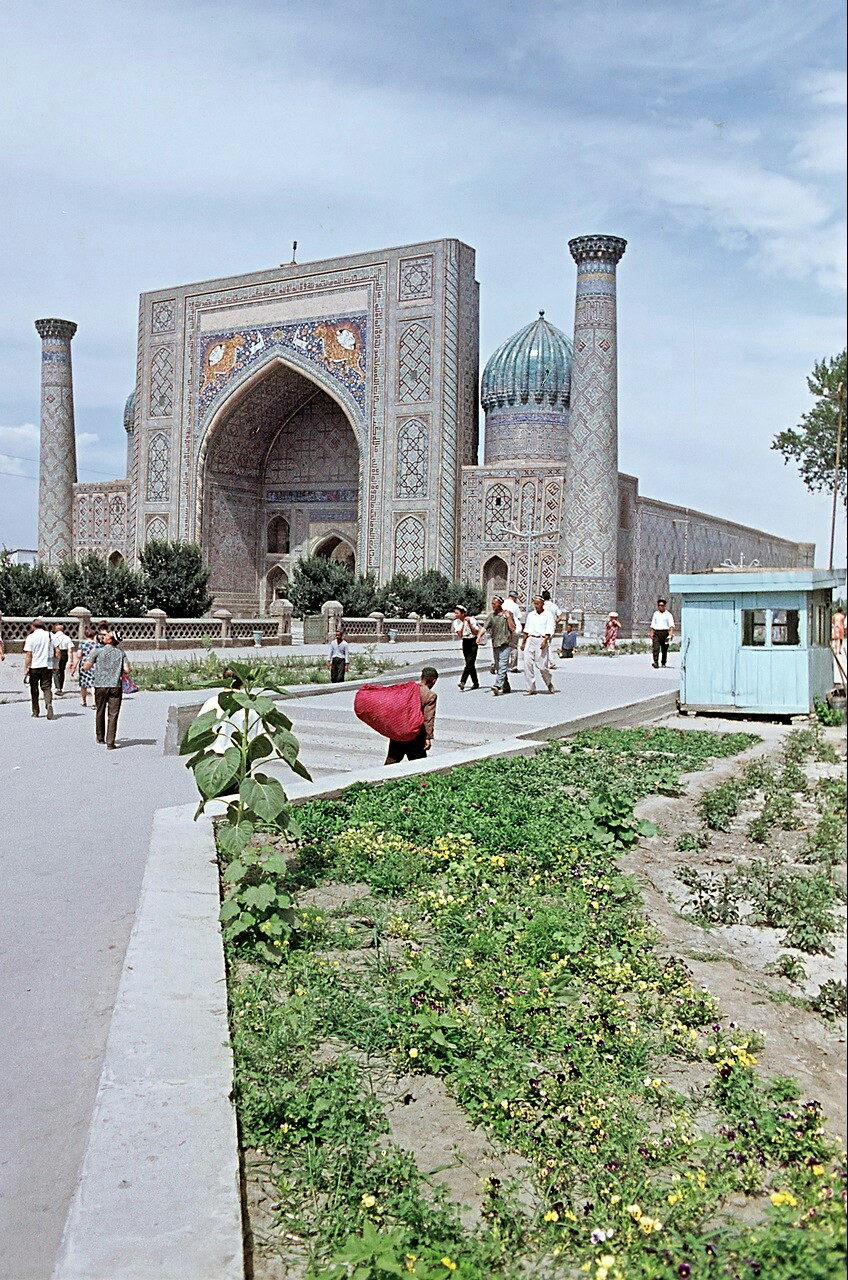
{"x": 812, "y": 444}
{"x": 28, "y": 589}
{"x": 96, "y": 585}
{"x": 317, "y": 579}
{"x": 176, "y": 578}
{"x": 430, "y": 594}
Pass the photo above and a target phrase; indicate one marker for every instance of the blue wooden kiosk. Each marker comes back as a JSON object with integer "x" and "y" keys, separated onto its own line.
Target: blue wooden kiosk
{"x": 755, "y": 640}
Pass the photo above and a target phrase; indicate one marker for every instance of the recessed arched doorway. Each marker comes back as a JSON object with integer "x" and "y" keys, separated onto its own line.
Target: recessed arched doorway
{"x": 335, "y": 548}
{"x": 495, "y": 576}
{"x": 276, "y": 586}
{"x": 116, "y": 560}
{"x": 280, "y": 463}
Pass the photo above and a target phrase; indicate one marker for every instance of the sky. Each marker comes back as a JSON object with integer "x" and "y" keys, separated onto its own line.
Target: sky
{"x": 147, "y": 145}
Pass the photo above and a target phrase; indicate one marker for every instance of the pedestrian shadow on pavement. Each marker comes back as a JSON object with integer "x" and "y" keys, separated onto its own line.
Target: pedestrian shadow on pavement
{"x": 138, "y": 742}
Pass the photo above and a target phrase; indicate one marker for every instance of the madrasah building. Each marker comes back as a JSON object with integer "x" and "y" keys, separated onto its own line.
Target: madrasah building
{"x": 332, "y": 409}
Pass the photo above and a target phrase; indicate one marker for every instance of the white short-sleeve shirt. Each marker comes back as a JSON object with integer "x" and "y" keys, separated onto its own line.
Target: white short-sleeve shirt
{"x": 539, "y": 624}
{"x": 662, "y": 621}
{"x": 41, "y": 645}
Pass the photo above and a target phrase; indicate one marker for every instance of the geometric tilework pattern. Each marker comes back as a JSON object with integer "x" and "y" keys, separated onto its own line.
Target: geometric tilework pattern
{"x": 162, "y": 383}
{"x": 414, "y": 360}
{"x": 163, "y": 316}
{"x": 498, "y": 510}
{"x": 158, "y": 468}
{"x": 100, "y": 519}
{"x": 415, "y": 279}
{"x": 412, "y": 459}
{"x": 57, "y": 453}
{"x": 157, "y": 528}
{"x": 409, "y": 545}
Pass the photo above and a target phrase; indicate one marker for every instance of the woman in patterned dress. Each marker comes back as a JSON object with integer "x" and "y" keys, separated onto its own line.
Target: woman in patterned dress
{"x": 83, "y": 653}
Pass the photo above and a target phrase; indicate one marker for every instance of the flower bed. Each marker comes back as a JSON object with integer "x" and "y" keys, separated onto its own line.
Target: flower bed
{"x": 489, "y": 942}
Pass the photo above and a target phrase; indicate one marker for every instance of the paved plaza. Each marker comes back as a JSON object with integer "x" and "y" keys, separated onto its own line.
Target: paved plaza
{"x": 76, "y": 833}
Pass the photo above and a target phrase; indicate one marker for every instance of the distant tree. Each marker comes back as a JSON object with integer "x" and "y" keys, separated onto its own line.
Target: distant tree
{"x": 812, "y": 444}
{"x": 27, "y": 590}
{"x": 98, "y": 586}
{"x": 317, "y": 579}
{"x": 176, "y": 578}
{"x": 431, "y": 594}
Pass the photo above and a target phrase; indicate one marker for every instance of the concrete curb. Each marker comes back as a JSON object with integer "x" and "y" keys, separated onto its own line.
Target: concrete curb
{"x": 523, "y": 744}
{"x": 158, "y": 1194}
{"x": 180, "y": 715}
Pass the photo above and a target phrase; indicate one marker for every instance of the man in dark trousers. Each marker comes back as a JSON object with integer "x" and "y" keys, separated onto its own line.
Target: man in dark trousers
{"x": 419, "y": 746}
{"x": 465, "y": 627}
{"x": 662, "y": 631}
{"x": 39, "y": 663}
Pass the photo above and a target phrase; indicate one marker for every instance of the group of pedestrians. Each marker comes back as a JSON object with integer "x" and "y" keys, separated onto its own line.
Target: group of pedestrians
{"x": 98, "y": 660}
{"x": 512, "y": 633}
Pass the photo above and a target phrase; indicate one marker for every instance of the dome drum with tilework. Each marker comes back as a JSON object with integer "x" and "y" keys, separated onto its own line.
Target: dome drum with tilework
{"x": 525, "y": 392}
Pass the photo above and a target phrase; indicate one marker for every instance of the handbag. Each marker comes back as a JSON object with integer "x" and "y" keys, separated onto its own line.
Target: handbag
{"x": 392, "y": 710}
{"x": 128, "y": 685}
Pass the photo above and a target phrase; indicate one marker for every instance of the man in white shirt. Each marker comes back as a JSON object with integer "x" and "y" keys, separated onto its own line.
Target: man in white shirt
{"x": 535, "y": 644}
{"x": 662, "y": 630}
{"x": 466, "y": 630}
{"x": 554, "y": 610}
{"x": 64, "y": 648}
{"x": 511, "y": 606}
{"x": 39, "y": 661}
{"x": 338, "y": 658}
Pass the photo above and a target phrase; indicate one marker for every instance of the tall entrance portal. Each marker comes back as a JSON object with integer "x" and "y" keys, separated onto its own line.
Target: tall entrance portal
{"x": 281, "y": 481}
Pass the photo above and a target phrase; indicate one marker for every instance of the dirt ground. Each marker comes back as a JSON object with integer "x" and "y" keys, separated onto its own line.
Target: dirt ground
{"x": 731, "y": 961}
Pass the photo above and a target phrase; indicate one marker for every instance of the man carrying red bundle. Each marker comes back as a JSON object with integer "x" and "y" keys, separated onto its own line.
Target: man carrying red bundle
{"x": 419, "y": 746}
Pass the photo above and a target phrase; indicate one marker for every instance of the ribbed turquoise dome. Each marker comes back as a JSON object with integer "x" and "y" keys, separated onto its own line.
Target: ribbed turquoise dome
{"x": 534, "y": 365}
{"x": 129, "y": 412}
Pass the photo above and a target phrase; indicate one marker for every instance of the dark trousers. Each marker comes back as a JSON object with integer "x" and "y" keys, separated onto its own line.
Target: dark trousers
{"x": 413, "y": 750}
{"x": 470, "y": 649}
{"x": 659, "y": 644}
{"x": 107, "y": 703}
{"x": 337, "y": 670}
{"x": 59, "y": 673}
{"x": 41, "y": 678}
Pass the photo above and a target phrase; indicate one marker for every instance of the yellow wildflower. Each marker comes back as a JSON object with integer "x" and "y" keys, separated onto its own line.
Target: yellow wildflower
{"x": 369, "y": 1201}
{"x": 447, "y": 1262}
{"x": 779, "y": 1198}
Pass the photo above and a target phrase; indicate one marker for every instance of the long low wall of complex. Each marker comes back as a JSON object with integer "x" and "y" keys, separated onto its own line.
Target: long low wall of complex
{"x": 156, "y": 631}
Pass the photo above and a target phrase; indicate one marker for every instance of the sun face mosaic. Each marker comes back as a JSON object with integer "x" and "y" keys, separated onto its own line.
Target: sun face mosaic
{"x": 337, "y": 345}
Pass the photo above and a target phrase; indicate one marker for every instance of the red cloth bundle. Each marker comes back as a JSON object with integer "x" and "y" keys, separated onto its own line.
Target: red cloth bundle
{"x": 393, "y": 710}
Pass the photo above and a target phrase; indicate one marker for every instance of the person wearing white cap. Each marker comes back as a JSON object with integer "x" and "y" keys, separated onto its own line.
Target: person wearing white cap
{"x": 511, "y": 605}
{"x": 500, "y": 626}
{"x": 535, "y": 644}
{"x": 611, "y": 631}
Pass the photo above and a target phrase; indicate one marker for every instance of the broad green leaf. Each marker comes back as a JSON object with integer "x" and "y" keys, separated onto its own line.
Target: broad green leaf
{"x": 233, "y": 837}
{"x": 229, "y": 910}
{"x": 275, "y": 865}
{"x": 234, "y": 871}
{"x": 259, "y": 896}
{"x": 199, "y": 733}
{"x": 276, "y": 719}
{"x": 213, "y": 774}
{"x": 259, "y": 747}
{"x": 263, "y": 796}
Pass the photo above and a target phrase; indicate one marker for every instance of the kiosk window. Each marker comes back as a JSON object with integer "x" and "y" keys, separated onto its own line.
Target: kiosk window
{"x": 753, "y": 628}
{"x": 784, "y": 626}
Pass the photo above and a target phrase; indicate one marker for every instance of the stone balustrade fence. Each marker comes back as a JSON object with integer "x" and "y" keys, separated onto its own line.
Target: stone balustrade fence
{"x": 157, "y": 631}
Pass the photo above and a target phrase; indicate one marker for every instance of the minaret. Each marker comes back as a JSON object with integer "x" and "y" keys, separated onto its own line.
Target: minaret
{"x": 57, "y": 470}
{"x": 588, "y": 574}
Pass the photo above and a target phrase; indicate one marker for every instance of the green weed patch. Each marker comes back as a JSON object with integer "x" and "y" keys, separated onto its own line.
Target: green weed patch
{"x": 498, "y": 947}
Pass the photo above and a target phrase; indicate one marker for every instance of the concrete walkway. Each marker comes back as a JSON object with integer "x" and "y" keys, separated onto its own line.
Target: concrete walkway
{"x": 74, "y": 843}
